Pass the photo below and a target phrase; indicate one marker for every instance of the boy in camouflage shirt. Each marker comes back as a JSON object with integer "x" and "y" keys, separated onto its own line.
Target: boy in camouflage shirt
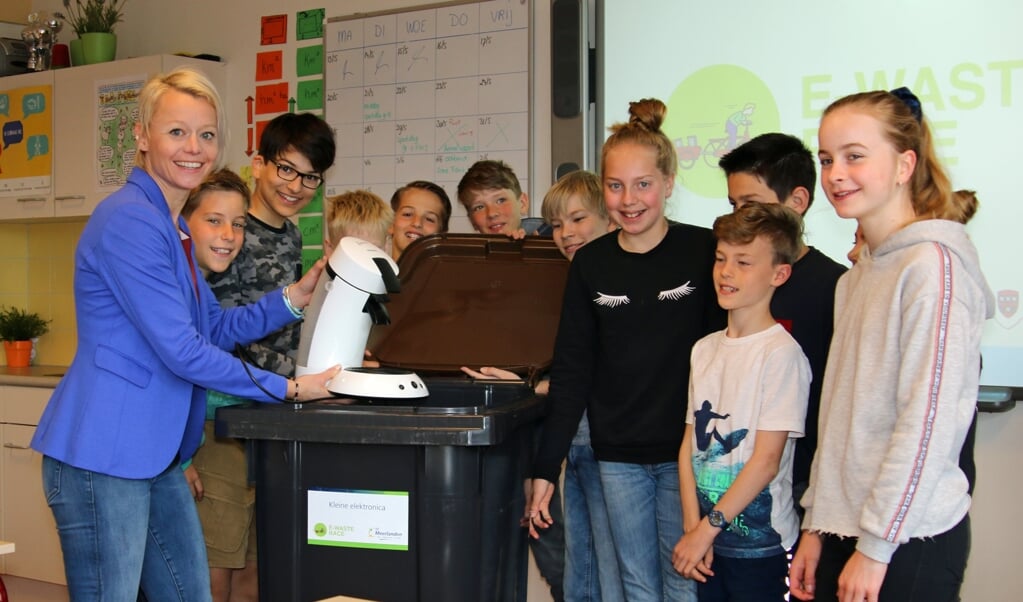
{"x": 295, "y": 151}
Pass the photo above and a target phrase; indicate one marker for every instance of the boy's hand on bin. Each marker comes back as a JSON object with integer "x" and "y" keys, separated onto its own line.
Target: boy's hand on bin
{"x": 491, "y": 373}
{"x": 538, "y": 500}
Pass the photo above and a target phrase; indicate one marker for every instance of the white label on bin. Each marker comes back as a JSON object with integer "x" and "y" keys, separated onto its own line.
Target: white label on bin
{"x": 376, "y": 520}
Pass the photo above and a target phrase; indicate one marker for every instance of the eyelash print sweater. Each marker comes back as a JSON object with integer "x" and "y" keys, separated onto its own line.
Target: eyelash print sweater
{"x": 628, "y": 324}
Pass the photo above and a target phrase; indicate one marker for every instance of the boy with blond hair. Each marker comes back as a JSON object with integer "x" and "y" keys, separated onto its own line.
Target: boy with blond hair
{"x": 358, "y": 213}
{"x": 575, "y": 211}
{"x": 747, "y": 404}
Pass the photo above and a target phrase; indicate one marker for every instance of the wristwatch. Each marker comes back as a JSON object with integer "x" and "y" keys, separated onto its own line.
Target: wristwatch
{"x": 716, "y": 519}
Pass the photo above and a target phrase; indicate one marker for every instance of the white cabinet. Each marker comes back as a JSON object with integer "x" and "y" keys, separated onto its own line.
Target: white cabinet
{"x": 84, "y": 139}
{"x": 25, "y": 519}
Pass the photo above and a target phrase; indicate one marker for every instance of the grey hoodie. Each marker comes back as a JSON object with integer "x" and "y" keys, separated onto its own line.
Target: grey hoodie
{"x": 900, "y": 390}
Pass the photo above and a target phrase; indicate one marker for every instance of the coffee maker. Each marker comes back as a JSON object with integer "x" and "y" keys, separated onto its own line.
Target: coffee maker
{"x": 349, "y": 299}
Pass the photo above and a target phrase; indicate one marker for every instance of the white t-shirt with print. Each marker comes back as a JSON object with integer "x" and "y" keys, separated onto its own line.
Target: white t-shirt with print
{"x": 737, "y": 387}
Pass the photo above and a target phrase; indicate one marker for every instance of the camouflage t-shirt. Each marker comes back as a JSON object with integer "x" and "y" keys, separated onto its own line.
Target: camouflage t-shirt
{"x": 269, "y": 259}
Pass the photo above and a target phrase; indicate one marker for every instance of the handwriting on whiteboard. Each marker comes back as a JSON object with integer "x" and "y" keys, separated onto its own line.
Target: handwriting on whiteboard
{"x": 423, "y": 94}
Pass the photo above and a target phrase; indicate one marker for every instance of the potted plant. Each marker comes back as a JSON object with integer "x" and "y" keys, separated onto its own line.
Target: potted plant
{"x": 93, "y": 22}
{"x": 18, "y": 328}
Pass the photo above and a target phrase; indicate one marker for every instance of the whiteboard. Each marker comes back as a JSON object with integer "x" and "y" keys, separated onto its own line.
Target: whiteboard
{"x": 423, "y": 94}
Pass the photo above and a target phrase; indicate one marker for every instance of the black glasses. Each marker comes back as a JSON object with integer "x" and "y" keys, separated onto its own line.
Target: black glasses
{"x": 289, "y": 173}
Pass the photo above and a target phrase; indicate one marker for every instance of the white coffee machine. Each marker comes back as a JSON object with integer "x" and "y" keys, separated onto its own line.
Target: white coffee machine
{"x": 349, "y": 299}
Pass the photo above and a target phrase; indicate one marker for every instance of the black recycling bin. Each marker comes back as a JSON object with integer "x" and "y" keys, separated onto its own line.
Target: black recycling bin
{"x": 402, "y": 501}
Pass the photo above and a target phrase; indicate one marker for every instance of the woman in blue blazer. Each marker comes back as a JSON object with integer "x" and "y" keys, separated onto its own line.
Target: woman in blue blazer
{"x": 151, "y": 339}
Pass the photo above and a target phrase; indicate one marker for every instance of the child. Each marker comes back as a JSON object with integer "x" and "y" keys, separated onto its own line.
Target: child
{"x": 574, "y": 209}
{"x": 493, "y": 199}
{"x": 420, "y": 208}
{"x": 963, "y": 210}
{"x": 751, "y": 382}
{"x": 358, "y": 213}
{"x": 778, "y": 168}
{"x": 634, "y": 304}
{"x": 215, "y": 212}
{"x": 890, "y": 521}
{"x": 294, "y": 152}
{"x": 495, "y": 203}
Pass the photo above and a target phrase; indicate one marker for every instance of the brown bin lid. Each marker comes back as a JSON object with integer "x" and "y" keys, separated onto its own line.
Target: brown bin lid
{"x": 474, "y": 300}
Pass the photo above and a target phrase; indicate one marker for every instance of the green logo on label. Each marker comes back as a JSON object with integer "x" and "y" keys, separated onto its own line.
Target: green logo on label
{"x": 711, "y": 112}
{"x": 320, "y": 529}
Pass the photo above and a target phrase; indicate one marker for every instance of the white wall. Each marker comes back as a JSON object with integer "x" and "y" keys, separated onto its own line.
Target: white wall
{"x": 993, "y": 573}
{"x": 230, "y": 29}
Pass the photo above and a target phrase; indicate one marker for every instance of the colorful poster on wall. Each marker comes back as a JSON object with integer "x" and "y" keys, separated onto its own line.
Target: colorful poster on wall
{"x": 25, "y": 161}
{"x": 117, "y": 107}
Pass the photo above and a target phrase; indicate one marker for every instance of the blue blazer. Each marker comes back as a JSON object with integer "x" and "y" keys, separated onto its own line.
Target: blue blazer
{"x": 133, "y": 400}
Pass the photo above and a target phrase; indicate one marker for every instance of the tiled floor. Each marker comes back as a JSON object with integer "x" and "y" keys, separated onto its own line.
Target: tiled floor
{"x": 27, "y": 590}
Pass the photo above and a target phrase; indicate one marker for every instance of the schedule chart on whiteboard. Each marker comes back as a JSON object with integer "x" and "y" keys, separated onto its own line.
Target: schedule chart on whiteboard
{"x": 423, "y": 94}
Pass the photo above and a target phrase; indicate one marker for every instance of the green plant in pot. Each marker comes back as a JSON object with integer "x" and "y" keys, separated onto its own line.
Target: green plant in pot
{"x": 93, "y": 22}
{"x": 17, "y": 329}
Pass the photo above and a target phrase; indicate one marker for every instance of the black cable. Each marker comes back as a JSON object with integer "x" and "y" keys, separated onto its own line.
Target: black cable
{"x": 246, "y": 360}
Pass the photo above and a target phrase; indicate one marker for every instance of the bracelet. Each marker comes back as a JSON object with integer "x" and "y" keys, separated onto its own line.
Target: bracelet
{"x": 298, "y": 313}
{"x": 295, "y": 398}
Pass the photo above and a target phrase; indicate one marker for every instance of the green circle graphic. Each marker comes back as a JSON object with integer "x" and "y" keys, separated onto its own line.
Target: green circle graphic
{"x": 711, "y": 112}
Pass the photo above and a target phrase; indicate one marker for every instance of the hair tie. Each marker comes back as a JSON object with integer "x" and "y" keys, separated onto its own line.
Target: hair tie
{"x": 910, "y": 100}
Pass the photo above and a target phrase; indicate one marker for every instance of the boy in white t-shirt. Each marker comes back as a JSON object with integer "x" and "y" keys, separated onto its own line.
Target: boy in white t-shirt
{"x": 747, "y": 404}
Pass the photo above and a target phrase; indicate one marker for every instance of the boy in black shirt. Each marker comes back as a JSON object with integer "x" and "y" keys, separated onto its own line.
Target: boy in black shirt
{"x": 778, "y": 168}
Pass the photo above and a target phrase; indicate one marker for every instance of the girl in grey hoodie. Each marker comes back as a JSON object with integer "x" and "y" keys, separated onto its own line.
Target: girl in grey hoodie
{"x": 886, "y": 511}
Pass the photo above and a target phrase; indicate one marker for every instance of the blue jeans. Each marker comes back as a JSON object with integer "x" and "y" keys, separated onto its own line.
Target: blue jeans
{"x": 591, "y": 567}
{"x": 646, "y": 522}
{"x": 118, "y": 534}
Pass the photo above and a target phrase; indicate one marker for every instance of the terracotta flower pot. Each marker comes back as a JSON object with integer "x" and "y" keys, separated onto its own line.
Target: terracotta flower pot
{"x": 19, "y": 353}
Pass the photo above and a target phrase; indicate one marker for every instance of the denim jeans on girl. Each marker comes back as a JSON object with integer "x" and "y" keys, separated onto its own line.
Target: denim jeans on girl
{"x": 646, "y": 522}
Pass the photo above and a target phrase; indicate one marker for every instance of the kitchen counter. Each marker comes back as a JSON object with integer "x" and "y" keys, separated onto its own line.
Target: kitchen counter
{"x": 33, "y": 376}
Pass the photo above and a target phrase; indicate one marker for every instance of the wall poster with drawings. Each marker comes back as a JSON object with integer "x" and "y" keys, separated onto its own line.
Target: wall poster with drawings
{"x": 117, "y": 109}
{"x": 423, "y": 94}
